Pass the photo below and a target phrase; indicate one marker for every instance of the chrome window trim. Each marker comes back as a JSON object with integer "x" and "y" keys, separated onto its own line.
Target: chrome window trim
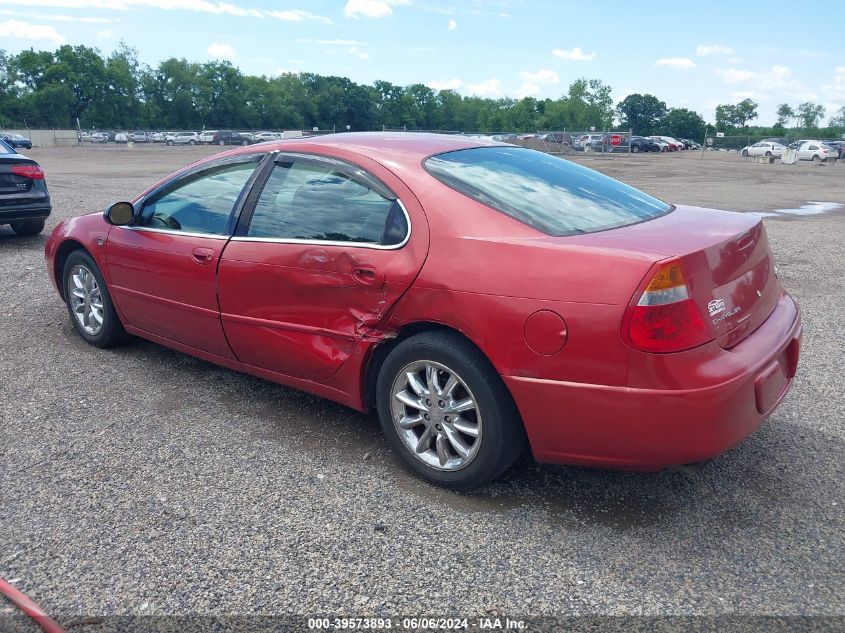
{"x": 293, "y": 240}
{"x": 145, "y": 229}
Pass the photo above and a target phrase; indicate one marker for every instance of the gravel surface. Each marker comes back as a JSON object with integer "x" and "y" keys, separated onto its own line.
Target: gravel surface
{"x": 140, "y": 481}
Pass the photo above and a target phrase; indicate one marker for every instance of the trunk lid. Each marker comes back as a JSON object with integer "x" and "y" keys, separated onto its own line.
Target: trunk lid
{"x": 13, "y": 183}
{"x": 726, "y": 258}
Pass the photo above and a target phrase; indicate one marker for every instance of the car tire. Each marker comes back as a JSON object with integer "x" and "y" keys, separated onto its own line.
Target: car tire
{"x": 221, "y": 143}
{"x": 635, "y": 149}
{"x": 84, "y": 290}
{"x": 768, "y": 154}
{"x": 28, "y": 227}
{"x": 170, "y": 143}
{"x": 192, "y": 142}
{"x": 817, "y": 160}
{"x": 460, "y": 376}
{"x": 745, "y": 153}
{"x": 244, "y": 143}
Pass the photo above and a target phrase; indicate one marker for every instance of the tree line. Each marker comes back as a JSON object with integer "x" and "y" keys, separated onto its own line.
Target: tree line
{"x": 54, "y": 89}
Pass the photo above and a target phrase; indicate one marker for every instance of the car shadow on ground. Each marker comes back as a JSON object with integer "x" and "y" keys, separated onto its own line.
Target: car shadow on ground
{"x": 738, "y": 483}
{"x": 9, "y": 238}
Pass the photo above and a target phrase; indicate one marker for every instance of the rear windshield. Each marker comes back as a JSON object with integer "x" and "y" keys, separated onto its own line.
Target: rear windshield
{"x": 552, "y": 195}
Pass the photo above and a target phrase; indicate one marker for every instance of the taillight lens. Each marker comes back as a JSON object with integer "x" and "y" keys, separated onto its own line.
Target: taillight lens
{"x": 664, "y": 318}
{"x": 33, "y": 172}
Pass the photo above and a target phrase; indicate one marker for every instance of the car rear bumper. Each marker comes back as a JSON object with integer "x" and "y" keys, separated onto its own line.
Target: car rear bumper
{"x": 649, "y": 429}
{"x": 17, "y": 213}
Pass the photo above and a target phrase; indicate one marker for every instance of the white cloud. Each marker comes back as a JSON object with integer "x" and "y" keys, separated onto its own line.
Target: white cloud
{"x": 449, "y": 84}
{"x": 371, "y": 8}
{"x": 198, "y": 6}
{"x": 32, "y": 32}
{"x": 105, "y": 35}
{"x": 357, "y": 52}
{"x": 542, "y": 76}
{"x": 680, "y": 63}
{"x": 222, "y": 51}
{"x": 296, "y": 15}
{"x": 52, "y": 17}
{"x": 452, "y": 25}
{"x": 835, "y": 91}
{"x": 486, "y": 88}
{"x": 527, "y": 89}
{"x": 735, "y": 76}
{"x": 574, "y": 55}
{"x": 713, "y": 49}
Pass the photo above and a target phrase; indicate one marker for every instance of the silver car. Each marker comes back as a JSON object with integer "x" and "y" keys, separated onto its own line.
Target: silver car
{"x": 184, "y": 138}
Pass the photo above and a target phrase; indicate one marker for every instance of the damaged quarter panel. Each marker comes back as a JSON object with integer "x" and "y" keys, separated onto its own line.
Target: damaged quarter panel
{"x": 300, "y": 288}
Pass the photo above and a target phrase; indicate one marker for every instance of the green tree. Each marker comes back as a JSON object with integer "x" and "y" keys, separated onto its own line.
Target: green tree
{"x": 735, "y": 116}
{"x": 682, "y": 123}
{"x": 785, "y": 114}
{"x": 810, "y": 114}
{"x": 838, "y": 119}
{"x": 641, "y": 113}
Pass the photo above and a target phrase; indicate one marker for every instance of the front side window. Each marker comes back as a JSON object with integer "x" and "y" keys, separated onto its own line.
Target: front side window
{"x": 304, "y": 200}
{"x": 198, "y": 203}
{"x": 550, "y": 194}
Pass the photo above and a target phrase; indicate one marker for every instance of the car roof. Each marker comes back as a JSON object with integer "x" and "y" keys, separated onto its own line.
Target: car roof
{"x": 405, "y": 147}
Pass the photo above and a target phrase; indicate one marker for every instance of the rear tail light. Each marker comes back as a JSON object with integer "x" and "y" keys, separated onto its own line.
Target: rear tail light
{"x": 664, "y": 317}
{"x": 33, "y": 172}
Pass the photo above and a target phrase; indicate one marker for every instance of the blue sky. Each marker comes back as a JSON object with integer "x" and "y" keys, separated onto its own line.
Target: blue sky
{"x": 689, "y": 54}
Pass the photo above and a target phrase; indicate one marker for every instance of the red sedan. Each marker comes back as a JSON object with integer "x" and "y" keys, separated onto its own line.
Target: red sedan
{"x": 481, "y": 297}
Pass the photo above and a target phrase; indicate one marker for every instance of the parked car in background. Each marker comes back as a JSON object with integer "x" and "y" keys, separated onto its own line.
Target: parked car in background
{"x": 764, "y": 148}
{"x": 261, "y": 137}
{"x": 839, "y": 146}
{"x": 184, "y": 138}
{"x": 227, "y": 137}
{"x": 121, "y": 137}
{"x": 207, "y": 136}
{"x": 584, "y": 141}
{"x": 642, "y": 144}
{"x": 817, "y": 152}
{"x": 140, "y": 137}
{"x": 674, "y": 357}
{"x": 663, "y": 145}
{"x": 672, "y": 145}
{"x": 99, "y": 137}
{"x": 561, "y": 138}
{"x": 17, "y": 141}
{"x": 157, "y": 137}
{"x": 24, "y": 198}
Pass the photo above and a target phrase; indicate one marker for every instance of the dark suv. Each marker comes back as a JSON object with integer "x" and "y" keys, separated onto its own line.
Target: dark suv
{"x": 227, "y": 137}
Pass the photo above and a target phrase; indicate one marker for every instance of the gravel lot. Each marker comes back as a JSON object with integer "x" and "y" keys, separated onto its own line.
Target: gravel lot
{"x": 140, "y": 481}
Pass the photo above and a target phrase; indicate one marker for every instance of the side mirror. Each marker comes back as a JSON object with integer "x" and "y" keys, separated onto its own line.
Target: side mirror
{"x": 120, "y": 214}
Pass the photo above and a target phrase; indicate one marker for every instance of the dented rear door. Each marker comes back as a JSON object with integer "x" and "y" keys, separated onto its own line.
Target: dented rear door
{"x": 310, "y": 272}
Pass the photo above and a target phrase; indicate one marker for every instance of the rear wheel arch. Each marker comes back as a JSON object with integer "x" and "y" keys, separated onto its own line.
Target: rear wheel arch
{"x": 379, "y": 353}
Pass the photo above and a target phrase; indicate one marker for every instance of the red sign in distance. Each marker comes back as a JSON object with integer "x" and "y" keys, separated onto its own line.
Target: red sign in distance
{"x": 615, "y": 139}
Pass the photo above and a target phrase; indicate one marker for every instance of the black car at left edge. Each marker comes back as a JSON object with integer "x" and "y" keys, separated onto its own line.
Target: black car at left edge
{"x": 24, "y": 198}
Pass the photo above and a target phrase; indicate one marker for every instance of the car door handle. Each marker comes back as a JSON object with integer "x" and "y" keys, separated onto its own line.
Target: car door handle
{"x": 202, "y": 255}
{"x": 367, "y": 276}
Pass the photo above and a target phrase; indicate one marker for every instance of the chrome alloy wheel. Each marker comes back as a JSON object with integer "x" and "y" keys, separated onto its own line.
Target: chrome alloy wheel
{"x": 86, "y": 302}
{"x": 436, "y": 415}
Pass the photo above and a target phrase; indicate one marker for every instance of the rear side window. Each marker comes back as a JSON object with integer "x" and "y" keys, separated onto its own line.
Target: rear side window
{"x": 310, "y": 201}
{"x": 552, "y": 195}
